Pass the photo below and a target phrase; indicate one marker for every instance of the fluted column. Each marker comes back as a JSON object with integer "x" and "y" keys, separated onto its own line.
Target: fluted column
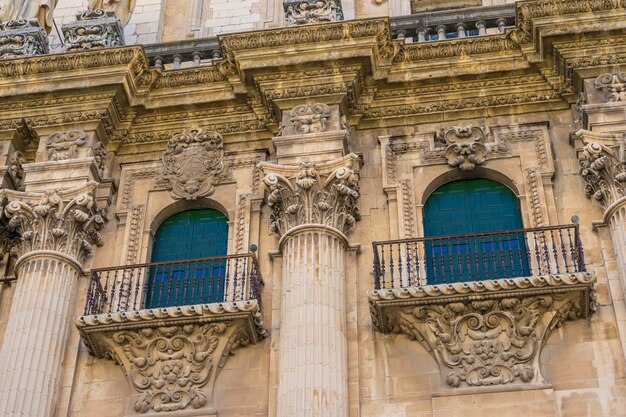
{"x": 313, "y": 207}
{"x": 55, "y": 236}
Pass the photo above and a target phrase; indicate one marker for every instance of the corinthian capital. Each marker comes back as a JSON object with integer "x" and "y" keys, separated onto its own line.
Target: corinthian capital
{"x": 317, "y": 194}
{"x": 48, "y": 221}
{"x": 603, "y": 167}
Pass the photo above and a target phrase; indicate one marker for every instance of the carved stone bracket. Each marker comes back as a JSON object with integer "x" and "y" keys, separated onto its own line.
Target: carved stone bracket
{"x": 22, "y": 38}
{"x": 613, "y": 85}
{"x": 465, "y": 146}
{"x": 487, "y": 332}
{"x": 300, "y": 12}
{"x": 603, "y": 167}
{"x": 53, "y": 222}
{"x": 192, "y": 163}
{"x": 172, "y": 356}
{"x": 323, "y": 194}
{"x": 93, "y": 29}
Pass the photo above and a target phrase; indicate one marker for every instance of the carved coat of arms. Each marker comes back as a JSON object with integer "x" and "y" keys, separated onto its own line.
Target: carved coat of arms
{"x": 192, "y": 162}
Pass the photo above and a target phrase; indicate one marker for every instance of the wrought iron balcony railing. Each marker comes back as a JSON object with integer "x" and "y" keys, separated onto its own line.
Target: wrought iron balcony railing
{"x": 474, "y": 257}
{"x": 166, "y": 284}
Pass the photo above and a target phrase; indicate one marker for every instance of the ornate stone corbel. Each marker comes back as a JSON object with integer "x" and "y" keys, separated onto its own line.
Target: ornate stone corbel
{"x": 172, "y": 356}
{"x": 603, "y": 167}
{"x": 16, "y": 169}
{"x": 51, "y": 224}
{"x": 300, "y": 12}
{"x": 489, "y": 332}
{"x": 93, "y": 29}
{"x": 465, "y": 146}
{"x": 192, "y": 162}
{"x": 310, "y": 198}
{"x": 613, "y": 85}
{"x": 22, "y": 38}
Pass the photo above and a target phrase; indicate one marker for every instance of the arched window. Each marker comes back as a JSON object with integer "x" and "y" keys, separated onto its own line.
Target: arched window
{"x": 472, "y": 214}
{"x": 192, "y": 234}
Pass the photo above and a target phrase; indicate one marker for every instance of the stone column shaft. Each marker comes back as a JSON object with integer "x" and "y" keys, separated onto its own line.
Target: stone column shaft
{"x": 312, "y": 366}
{"x": 35, "y": 338}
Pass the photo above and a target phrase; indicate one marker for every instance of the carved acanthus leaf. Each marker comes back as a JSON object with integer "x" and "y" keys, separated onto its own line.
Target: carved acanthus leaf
{"x": 328, "y": 199}
{"x": 604, "y": 172}
{"x": 70, "y": 228}
{"x": 192, "y": 163}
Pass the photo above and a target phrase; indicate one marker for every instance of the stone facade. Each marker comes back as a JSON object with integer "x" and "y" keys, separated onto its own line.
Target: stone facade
{"x": 317, "y": 136}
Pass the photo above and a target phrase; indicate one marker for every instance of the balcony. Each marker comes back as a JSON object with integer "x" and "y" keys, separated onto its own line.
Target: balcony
{"x": 173, "y": 325}
{"x": 482, "y": 304}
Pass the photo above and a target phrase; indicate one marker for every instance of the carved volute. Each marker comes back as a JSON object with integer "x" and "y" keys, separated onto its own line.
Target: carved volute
{"x": 315, "y": 194}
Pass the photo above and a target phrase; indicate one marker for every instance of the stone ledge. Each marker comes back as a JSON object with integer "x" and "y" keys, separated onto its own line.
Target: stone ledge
{"x": 485, "y": 333}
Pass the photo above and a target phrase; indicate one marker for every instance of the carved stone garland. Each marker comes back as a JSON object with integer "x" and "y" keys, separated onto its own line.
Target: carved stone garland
{"x": 300, "y": 12}
{"x": 465, "y": 146}
{"x": 604, "y": 172}
{"x": 613, "y": 85}
{"x": 192, "y": 162}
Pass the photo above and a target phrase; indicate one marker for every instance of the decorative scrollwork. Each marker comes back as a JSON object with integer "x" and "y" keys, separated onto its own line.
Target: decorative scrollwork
{"x": 309, "y": 119}
{"x": 604, "y": 172}
{"x": 64, "y": 145}
{"x": 300, "y": 12}
{"x": 71, "y": 228}
{"x": 327, "y": 199}
{"x": 93, "y": 28}
{"x": 613, "y": 85}
{"x": 465, "y": 147}
{"x": 192, "y": 162}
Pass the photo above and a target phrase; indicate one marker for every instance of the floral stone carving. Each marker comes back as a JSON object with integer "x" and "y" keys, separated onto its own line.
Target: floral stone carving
{"x": 309, "y": 119}
{"x": 192, "y": 162}
{"x": 93, "y": 28}
{"x": 321, "y": 194}
{"x": 65, "y": 145}
{"x": 604, "y": 170}
{"x": 465, "y": 146}
{"x": 613, "y": 85}
{"x": 172, "y": 356}
{"x": 67, "y": 227}
{"x": 300, "y": 12}
{"x": 487, "y": 332}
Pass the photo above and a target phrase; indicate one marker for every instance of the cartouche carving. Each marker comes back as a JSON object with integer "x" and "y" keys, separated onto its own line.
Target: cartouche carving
{"x": 613, "y": 85}
{"x": 192, "y": 162}
{"x": 300, "y": 12}
{"x": 465, "y": 147}
{"x": 309, "y": 119}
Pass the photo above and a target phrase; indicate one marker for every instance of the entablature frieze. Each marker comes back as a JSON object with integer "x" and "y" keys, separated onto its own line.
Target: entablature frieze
{"x": 368, "y": 73}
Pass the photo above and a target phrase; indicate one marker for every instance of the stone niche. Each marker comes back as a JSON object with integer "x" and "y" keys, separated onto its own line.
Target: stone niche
{"x": 430, "y": 5}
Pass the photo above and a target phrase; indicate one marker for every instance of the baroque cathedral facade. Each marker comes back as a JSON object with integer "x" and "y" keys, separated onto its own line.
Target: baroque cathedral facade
{"x": 312, "y": 208}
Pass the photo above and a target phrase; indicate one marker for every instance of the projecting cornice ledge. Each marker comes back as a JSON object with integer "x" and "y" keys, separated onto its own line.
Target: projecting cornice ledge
{"x": 485, "y": 333}
{"x": 172, "y": 356}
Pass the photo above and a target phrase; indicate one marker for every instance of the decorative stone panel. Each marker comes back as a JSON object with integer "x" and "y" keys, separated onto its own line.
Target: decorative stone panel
{"x": 301, "y": 12}
{"x": 22, "y": 38}
{"x": 93, "y": 29}
{"x": 487, "y": 332}
{"x": 172, "y": 356}
{"x": 613, "y": 85}
{"x": 465, "y": 146}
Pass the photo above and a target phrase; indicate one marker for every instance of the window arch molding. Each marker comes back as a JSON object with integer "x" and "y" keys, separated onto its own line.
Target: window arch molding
{"x": 477, "y": 173}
